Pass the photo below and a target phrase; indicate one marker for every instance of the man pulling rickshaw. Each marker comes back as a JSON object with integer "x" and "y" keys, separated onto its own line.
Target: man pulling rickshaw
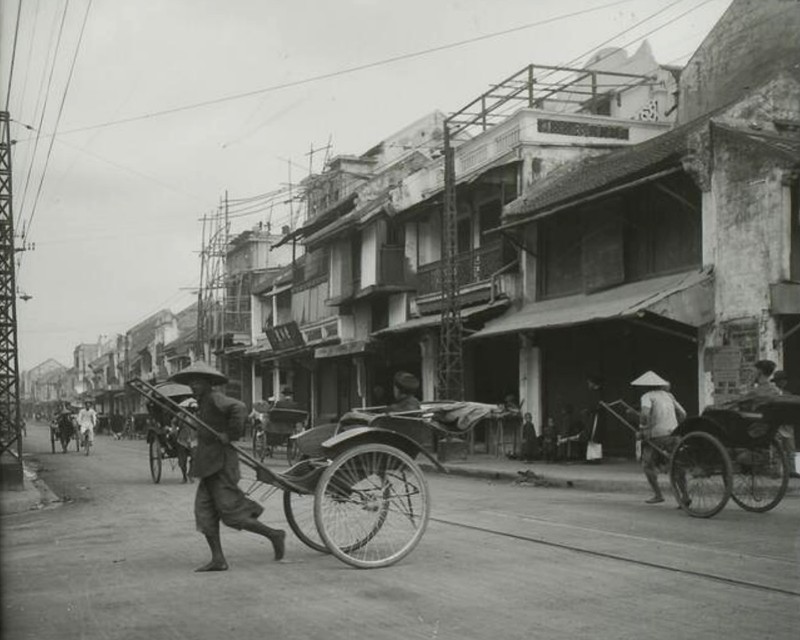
{"x": 216, "y": 465}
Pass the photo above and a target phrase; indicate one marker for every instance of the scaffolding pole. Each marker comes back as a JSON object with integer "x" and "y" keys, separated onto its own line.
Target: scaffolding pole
{"x": 451, "y": 363}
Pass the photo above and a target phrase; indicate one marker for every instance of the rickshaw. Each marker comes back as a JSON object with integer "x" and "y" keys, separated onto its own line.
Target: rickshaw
{"x": 733, "y": 451}
{"x": 64, "y": 428}
{"x": 729, "y": 451}
{"x": 162, "y": 434}
{"x": 356, "y": 490}
{"x": 275, "y": 430}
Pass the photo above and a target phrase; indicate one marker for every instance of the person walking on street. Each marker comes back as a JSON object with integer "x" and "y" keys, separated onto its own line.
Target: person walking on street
{"x": 87, "y": 421}
{"x": 786, "y": 432}
{"x": 659, "y": 416}
{"x": 216, "y": 465}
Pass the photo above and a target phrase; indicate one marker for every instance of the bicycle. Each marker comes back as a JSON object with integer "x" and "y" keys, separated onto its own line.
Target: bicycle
{"x": 87, "y": 441}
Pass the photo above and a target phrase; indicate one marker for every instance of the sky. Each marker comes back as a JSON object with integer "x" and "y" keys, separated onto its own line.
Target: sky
{"x": 161, "y": 106}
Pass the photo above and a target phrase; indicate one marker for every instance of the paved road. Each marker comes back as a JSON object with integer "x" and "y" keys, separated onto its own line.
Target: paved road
{"x": 498, "y": 561}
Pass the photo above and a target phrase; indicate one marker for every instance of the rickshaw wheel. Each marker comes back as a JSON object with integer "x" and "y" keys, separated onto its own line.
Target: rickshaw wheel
{"x": 299, "y": 511}
{"x": 760, "y": 477}
{"x": 700, "y": 474}
{"x": 372, "y": 506}
{"x": 155, "y": 460}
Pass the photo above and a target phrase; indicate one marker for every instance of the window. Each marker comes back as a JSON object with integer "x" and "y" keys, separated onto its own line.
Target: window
{"x": 489, "y": 216}
{"x": 395, "y": 234}
{"x": 464, "y": 235}
{"x": 560, "y": 247}
{"x": 380, "y": 313}
{"x": 355, "y": 259}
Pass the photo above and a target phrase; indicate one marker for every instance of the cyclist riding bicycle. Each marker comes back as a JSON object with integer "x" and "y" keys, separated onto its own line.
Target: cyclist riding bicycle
{"x": 87, "y": 420}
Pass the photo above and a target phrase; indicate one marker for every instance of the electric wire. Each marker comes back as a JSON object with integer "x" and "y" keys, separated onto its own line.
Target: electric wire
{"x": 58, "y": 120}
{"x": 340, "y": 72}
{"x": 44, "y": 109}
{"x": 31, "y": 40}
{"x": 13, "y": 54}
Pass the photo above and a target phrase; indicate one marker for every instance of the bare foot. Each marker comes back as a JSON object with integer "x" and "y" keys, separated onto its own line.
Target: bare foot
{"x": 214, "y": 565}
{"x": 278, "y": 544}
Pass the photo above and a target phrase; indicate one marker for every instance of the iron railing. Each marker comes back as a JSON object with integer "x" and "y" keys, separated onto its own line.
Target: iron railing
{"x": 476, "y": 265}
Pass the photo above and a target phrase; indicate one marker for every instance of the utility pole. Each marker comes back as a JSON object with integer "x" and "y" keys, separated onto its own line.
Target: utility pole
{"x": 450, "y": 366}
{"x": 200, "y": 337}
{"x": 10, "y": 424}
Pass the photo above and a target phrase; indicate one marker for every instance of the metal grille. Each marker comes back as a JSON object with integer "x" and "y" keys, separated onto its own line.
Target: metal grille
{"x": 10, "y": 425}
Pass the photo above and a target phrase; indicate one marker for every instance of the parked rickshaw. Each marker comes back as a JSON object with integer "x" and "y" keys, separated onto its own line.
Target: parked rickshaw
{"x": 357, "y": 492}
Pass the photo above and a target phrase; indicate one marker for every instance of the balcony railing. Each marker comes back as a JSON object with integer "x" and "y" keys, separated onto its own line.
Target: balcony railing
{"x": 476, "y": 265}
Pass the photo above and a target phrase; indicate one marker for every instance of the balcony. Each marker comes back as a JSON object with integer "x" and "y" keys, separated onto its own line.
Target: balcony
{"x": 472, "y": 267}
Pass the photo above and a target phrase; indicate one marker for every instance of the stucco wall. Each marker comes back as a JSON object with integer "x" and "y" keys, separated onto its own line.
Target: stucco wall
{"x": 751, "y": 41}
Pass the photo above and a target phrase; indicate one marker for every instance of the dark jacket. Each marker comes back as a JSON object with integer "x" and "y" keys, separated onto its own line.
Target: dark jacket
{"x": 224, "y": 415}
{"x": 406, "y": 403}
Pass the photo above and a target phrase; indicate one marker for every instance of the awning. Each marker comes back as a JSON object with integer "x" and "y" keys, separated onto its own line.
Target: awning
{"x": 349, "y": 348}
{"x": 687, "y": 298}
{"x": 435, "y": 319}
{"x": 286, "y": 354}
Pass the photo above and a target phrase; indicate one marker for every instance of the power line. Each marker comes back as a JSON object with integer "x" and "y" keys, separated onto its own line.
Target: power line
{"x": 58, "y": 120}
{"x": 41, "y": 115}
{"x": 341, "y": 72}
{"x": 31, "y": 41}
{"x": 13, "y": 55}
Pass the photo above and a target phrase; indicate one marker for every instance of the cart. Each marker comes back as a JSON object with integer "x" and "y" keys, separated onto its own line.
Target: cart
{"x": 276, "y": 431}
{"x": 731, "y": 451}
{"x": 64, "y": 428}
{"x": 162, "y": 435}
{"x": 357, "y": 491}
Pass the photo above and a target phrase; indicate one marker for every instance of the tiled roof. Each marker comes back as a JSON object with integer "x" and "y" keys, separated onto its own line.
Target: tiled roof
{"x": 785, "y": 145}
{"x": 601, "y": 172}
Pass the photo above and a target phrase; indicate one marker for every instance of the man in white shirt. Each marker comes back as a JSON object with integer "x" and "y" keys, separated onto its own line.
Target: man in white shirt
{"x": 87, "y": 420}
{"x": 660, "y": 414}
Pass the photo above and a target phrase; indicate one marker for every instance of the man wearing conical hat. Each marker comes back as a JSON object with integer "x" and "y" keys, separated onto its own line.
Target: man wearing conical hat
{"x": 659, "y": 416}
{"x": 217, "y": 466}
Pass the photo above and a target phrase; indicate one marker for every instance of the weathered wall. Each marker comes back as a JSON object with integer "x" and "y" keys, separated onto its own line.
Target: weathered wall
{"x": 752, "y": 41}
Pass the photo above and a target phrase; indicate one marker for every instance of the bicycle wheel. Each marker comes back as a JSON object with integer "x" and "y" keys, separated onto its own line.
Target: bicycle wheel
{"x": 372, "y": 506}
{"x": 700, "y": 474}
{"x": 760, "y": 477}
{"x": 299, "y": 511}
{"x": 155, "y": 460}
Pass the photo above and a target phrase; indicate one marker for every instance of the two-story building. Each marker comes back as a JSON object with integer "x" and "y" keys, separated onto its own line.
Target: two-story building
{"x": 678, "y": 254}
{"x": 532, "y": 125}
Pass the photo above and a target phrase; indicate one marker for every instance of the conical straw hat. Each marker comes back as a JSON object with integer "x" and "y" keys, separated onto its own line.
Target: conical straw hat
{"x": 173, "y": 390}
{"x": 199, "y": 368}
{"x": 650, "y": 379}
